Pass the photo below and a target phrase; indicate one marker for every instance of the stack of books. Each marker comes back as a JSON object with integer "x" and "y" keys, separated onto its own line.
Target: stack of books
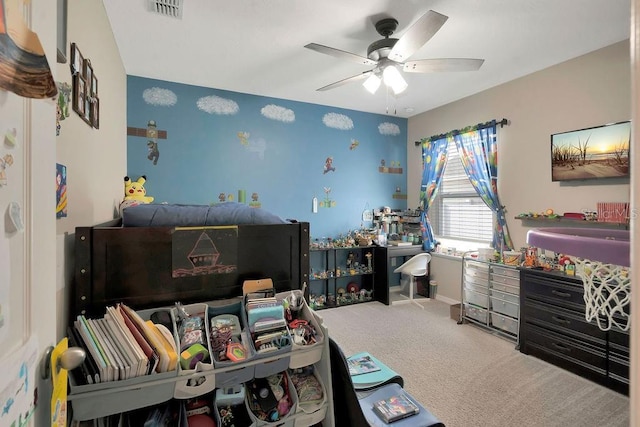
{"x": 120, "y": 346}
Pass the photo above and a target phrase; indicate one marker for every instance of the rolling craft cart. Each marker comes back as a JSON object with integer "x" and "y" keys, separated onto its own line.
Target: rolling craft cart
{"x": 491, "y": 296}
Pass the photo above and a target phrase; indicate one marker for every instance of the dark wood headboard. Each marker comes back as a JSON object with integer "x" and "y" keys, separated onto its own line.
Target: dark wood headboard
{"x": 133, "y": 265}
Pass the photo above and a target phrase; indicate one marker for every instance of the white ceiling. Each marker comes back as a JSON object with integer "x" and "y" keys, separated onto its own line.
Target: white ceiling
{"x": 257, "y": 46}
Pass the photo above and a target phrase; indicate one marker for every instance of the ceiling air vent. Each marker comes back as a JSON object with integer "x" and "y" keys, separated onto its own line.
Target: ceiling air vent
{"x": 172, "y": 8}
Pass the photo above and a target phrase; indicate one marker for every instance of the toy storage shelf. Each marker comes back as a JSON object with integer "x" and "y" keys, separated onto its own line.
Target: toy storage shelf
{"x": 334, "y": 276}
{"x": 490, "y": 297}
{"x": 112, "y": 398}
{"x": 542, "y": 221}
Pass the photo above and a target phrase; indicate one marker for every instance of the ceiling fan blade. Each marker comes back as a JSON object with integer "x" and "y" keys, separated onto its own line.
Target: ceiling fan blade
{"x": 342, "y": 82}
{"x": 442, "y": 64}
{"x": 417, "y": 35}
{"x": 340, "y": 54}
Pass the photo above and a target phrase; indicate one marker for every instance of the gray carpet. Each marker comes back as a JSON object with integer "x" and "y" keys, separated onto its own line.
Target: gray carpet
{"x": 467, "y": 376}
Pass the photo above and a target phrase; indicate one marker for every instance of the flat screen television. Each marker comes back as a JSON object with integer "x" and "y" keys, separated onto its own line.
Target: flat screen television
{"x": 592, "y": 153}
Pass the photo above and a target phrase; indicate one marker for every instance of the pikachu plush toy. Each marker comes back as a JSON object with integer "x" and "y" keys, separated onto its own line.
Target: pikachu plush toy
{"x": 134, "y": 193}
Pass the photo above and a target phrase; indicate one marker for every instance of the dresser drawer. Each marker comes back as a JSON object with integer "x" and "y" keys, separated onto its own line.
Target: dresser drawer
{"x": 568, "y": 353}
{"x": 563, "y": 321}
{"x": 504, "y": 307}
{"x": 476, "y": 283}
{"x": 482, "y": 288}
{"x": 515, "y": 290}
{"x": 504, "y": 280}
{"x": 619, "y": 367}
{"x": 554, "y": 291}
{"x": 505, "y": 323}
{"x": 506, "y": 271}
{"x": 476, "y": 298}
{"x": 476, "y": 313}
{"x": 477, "y": 270}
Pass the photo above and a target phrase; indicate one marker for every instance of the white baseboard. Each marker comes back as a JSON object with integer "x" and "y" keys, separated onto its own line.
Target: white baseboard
{"x": 447, "y": 300}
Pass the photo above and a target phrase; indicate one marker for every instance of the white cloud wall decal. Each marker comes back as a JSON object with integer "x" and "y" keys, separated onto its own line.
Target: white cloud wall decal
{"x": 337, "y": 121}
{"x": 216, "y": 105}
{"x": 275, "y": 112}
{"x": 387, "y": 128}
{"x": 159, "y": 97}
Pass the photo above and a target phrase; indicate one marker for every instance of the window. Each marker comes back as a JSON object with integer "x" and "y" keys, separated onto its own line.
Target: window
{"x": 458, "y": 212}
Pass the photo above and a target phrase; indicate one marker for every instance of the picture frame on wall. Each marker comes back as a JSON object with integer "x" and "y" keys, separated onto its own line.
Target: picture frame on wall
{"x": 94, "y": 85}
{"x": 87, "y": 72}
{"x": 79, "y": 91}
{"x": 95, "y": 113}
{"x": 77, "y": 60}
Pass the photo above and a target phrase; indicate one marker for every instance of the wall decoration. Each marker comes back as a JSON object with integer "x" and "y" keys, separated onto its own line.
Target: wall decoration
{"x": 152, "y": 133}
{"x": 328, "y": 165}
{"x": 79, "y": 94}
{"x": 393, "y": 168}
{"x": 62, "y": 105}
{"x": 5, "y": 162}
{"x": 25, "y": 70}
{"x": 273, "y": 149}
{"x": 327, "y": 202}
{"x": 591, "y": 153}
{"x": 85, "y": 88}
{"x": 61, "y": 191}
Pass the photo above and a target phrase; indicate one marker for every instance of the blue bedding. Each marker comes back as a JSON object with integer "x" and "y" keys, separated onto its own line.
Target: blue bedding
{"x": 229, "y": 213}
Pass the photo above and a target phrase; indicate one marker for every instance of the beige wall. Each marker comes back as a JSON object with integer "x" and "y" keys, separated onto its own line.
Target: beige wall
{"x": 590, "y": 90}
{"x": 95, "y": 158}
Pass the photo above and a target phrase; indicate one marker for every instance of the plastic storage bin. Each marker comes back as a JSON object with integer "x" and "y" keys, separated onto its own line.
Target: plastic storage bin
{"x": 228, "y": 373}
{"x": 201, "y": 379}
{"x": 476, "y": 298}
{"x": 278, "y": 364}
{"x": 309, "y": 353}
{"x": 311, "y": 413}
{"x": 91, "y": 401}
{"x": 505, "y": 323}
{"x": 504, "y": 307}
{"x": 285, "y": 420}
{"x": 475, "y": 313}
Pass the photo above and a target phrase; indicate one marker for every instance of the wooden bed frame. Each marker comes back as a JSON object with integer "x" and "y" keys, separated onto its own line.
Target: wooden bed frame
{"x": 133, "y": 265}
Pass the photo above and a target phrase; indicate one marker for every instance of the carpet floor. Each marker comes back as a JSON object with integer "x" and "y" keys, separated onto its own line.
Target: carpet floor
{"x": 467, "y": 376}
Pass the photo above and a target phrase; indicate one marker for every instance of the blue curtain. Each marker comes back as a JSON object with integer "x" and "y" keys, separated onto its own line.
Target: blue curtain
{"x": 478, "y": 151}
{"x": 434, "y": 156}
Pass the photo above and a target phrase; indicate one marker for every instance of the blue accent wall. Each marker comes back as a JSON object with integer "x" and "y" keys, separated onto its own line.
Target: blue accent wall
{"x": 270, "y": 153}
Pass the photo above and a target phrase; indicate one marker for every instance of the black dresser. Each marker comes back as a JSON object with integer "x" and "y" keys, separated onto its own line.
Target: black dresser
{"x": 553, "y": 328}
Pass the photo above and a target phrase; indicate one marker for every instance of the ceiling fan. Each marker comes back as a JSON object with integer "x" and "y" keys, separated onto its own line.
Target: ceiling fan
{"x": 388, "y": 54}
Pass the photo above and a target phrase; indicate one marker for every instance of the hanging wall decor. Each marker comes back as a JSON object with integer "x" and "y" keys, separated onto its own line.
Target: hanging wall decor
{"x": 85, "y": 88}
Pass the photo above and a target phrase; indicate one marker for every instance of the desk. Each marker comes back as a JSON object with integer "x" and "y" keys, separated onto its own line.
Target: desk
{"x": 384, "y": 270}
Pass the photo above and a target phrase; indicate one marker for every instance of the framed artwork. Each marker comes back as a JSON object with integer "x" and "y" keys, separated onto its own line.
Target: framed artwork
{"x": 61, "y": 191}
{"x": 85, "y": 88}
{"x": 79, "y": 91}
{"x": 95, "y": 113}
{"x": 87, "y": 71}
{"x": 94, "y": 85}
{"x": 77, "y": 60}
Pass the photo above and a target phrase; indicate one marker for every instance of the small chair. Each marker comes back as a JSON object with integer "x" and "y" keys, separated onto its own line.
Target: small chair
{"x": 416, "y": 266}
{"x": 354, "y": 408}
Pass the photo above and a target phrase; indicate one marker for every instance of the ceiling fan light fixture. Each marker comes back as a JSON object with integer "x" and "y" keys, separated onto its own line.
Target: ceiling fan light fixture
{"x": 372, "y": 83}
{"x": 393, "y": 79}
